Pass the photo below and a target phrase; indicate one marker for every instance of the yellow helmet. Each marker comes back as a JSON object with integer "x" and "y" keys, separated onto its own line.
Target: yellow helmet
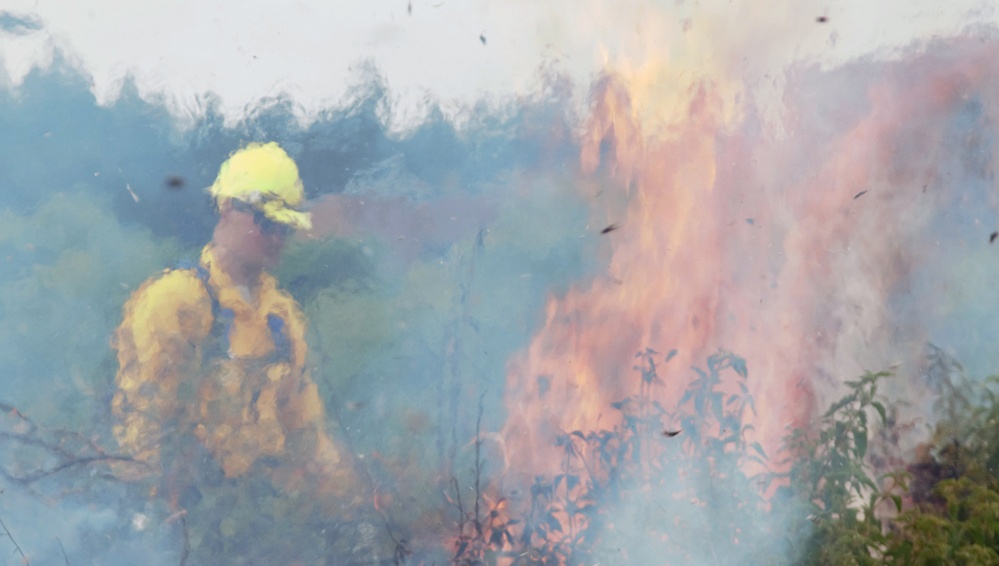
{"x": 263, "y": 176}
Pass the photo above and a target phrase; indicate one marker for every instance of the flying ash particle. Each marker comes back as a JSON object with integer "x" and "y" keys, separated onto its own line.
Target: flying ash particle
{"x": 175, "y": 182}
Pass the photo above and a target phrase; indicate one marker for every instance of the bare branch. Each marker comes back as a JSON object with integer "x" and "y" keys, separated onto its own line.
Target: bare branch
{"x": 66, "y": 558}
{"x": 16, "y": 546}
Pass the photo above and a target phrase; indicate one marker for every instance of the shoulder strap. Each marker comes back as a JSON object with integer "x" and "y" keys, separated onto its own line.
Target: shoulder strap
{"x": 223, "y": 319}
{"x": 218, "y": 341}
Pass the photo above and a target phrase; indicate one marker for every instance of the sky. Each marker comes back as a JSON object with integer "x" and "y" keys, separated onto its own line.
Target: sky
{"x": 448, "y": 51}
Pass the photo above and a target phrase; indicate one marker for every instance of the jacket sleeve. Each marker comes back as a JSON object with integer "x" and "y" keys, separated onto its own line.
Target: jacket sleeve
{"x": 303, "y": 417}
{"x": 159, "y": 349}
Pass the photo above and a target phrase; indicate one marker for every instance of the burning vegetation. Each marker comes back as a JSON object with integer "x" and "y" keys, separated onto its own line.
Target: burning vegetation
{"x": 628, "y": 338}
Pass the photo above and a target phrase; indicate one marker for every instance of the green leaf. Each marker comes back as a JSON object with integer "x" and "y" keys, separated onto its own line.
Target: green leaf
{"x": 840, "y": 404}
{"x": 553, "y": 522}
{"x": 759, "y": 449}
{"x": 881, "y": 411}
{"x": 898, "y": 502}
{"x": 571, "y": 481}
{"x": 739, "y": 365}
{"x": 659, "y": 408}
{"x": 716, "y": 407}
{"x": 687, "y": 395}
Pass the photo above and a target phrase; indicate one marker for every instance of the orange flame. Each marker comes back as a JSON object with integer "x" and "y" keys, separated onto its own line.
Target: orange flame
{"x": 738, "y": 241}
{"x": 661, "y": 288}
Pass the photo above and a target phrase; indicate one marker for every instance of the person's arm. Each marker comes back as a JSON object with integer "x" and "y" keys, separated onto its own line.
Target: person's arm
{"x": 159, "y": 347}
{"x": 306, "y": 424}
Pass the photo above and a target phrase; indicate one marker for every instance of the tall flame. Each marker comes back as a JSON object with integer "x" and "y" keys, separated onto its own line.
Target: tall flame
{"x": 661, "y": 287}
{"x": 784, "y": 250}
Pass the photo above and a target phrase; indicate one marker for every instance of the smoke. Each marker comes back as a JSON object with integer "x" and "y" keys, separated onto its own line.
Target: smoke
{"x": 811, "y": 253}
{"x": 829, "y": 218}
{"x": 437, "y": 241}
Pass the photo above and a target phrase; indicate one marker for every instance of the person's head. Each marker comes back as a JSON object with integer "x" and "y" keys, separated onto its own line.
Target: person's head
{"x": 257, "y": 191}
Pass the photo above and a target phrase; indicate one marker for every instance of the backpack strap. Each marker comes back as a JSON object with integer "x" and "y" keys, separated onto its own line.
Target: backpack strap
{"x": 218, "y": 341}
{"x": 222, "y": 319}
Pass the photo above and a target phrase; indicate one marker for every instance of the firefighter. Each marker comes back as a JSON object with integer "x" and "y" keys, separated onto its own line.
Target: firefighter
{"x": 216, "y": 353}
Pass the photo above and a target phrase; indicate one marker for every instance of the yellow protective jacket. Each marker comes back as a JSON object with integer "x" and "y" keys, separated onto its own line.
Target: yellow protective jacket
{"x": 197, "y": 355}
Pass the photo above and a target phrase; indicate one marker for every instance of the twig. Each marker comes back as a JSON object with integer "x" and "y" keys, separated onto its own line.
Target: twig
{"x": 457, "y": 317}
{"x": 40, "y": 474}
{"x": 54, "y": 441}
{"x": 32, "y": 428}
{"x": 401, "y": 551}
{"x": 591, "y": 471}
{"x": 16, "y": 546}
{"x": 187, "y": 540}
{"x": 64, "y": 557}
{"x": 478, "y": 466}
{"x": 461, "y": 508}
